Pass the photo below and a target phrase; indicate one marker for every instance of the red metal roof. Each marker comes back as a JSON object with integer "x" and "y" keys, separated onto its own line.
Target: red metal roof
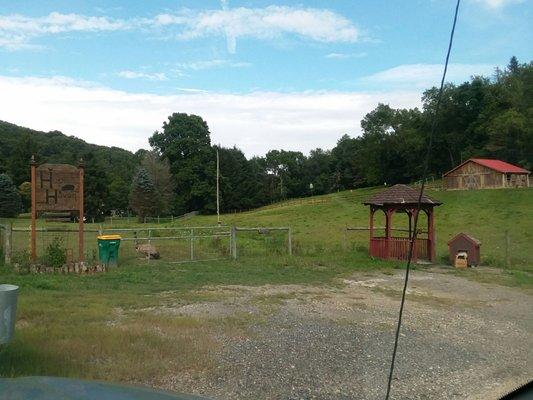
{"x": 497, "y": 165}
{"x": 500, "y": 166}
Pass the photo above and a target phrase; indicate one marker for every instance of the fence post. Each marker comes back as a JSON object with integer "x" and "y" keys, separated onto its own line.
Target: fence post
{"x": 233, "y": 240}
{"x": 149, "y": 242}
{"x": 192, "y": 244}
{"x": 158, "y": 220}
{"x": 7, "y": 243}
{"x": 290, "y": 242}
{"x": 100, "y": 230}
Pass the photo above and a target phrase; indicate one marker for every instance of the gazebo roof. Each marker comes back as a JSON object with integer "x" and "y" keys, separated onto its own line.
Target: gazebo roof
{"x": 400, "y": 195}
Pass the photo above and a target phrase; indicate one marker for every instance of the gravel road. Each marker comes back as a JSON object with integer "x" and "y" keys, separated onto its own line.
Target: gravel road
{"x": 460, "y": 340}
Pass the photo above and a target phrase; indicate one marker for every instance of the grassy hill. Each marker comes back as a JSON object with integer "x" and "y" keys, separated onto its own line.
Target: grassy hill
{"x": 318, "y": 223}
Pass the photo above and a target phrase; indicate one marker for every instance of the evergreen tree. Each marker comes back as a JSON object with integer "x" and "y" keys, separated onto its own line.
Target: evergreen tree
{"x": 9, "y": 198}
{"x": 143, "y": 196}
{"x": 159, "y": 171}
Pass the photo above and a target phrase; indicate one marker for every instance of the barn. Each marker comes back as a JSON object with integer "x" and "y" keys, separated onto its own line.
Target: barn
{"x": 482, "y": 173}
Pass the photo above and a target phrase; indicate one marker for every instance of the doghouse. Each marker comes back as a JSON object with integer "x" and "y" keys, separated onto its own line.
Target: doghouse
{"x": 463, "y": 243}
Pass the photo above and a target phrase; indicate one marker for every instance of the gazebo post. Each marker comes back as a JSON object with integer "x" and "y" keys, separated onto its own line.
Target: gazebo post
{"x": 388, "y": 229}
{"x": 414, "y": 236}
{"x": 371, "y": 230}
{"x": 431, "y": 235}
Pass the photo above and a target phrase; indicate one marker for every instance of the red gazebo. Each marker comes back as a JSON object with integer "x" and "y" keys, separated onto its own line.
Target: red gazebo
{"x": 402, "y": 199}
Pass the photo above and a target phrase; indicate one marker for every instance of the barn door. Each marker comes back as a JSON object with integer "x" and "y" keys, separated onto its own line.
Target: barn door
{"x": 472, "y": 181}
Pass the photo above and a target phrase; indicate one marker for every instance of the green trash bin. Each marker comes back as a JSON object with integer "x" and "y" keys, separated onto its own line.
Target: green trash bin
{"x": 108, "y": 246}
{"x": 8, "y": 311}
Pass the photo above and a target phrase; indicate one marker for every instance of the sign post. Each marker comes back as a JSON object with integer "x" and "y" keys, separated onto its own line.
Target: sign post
{"x": 81, "y": 171}
{"x": 33, "y": 241}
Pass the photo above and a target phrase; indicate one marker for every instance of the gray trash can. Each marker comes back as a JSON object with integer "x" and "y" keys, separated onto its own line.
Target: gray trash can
{"x": 8, "y": 311}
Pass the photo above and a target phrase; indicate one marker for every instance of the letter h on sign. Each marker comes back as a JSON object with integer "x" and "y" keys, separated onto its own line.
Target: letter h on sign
{"x": 49, "y": 195}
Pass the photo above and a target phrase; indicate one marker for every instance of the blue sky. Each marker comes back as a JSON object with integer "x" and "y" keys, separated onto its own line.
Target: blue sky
{"x": 292, "y": 75}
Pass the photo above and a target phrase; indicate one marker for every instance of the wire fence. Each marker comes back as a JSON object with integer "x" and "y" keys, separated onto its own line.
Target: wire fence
{"x": 130, "y": 219}
{"x": 148, "y": 243}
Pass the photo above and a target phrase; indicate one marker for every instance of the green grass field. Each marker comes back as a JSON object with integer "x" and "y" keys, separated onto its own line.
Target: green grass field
{"x": 101, "y": 326}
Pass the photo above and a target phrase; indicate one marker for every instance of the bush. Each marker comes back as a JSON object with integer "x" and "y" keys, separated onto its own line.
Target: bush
{"x": 22, "y": 259}
{"x": 55, "y": 255}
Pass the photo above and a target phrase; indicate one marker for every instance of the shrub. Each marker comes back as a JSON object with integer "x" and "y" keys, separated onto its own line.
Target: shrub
{"x": 55, "y": 255}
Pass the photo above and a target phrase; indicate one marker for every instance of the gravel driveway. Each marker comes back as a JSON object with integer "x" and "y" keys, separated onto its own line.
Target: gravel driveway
{"x": 460, "y": 340}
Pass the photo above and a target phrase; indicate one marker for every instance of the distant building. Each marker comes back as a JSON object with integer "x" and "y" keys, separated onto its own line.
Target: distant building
{"x": 480, "y": 173}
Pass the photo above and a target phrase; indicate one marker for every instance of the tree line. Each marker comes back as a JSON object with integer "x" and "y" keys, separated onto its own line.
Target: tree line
{"x": 483, "y": 117}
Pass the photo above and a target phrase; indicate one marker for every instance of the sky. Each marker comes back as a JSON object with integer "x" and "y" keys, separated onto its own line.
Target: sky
{"x": 263, "y": 74}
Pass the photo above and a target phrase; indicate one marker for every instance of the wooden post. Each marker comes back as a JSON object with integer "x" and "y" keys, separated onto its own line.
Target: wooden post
{"x": 431, "y": 235}
{"x": 81, "y": 255}
{"x": 290, "y": 242}
{"x": 388, "y": 231}
{"x": 234, "y": 242}
{"x": 7, "y": 243}
{"x": 371, "y": 229}
{"x": 33, "y": 240}
{"x": 415, "y": 234}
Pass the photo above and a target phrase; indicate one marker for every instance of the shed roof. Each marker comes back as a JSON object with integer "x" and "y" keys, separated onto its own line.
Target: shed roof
{"x": 496, "y": 165}
{"x": 400, "y": 194}
{"x": 466, "y": 236}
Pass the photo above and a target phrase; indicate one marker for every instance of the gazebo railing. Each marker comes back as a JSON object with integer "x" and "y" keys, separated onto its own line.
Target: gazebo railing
{"x": 397, "y": 248}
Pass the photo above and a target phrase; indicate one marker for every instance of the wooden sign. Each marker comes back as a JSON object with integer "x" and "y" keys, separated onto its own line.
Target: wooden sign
{"x": 57, "y": 187}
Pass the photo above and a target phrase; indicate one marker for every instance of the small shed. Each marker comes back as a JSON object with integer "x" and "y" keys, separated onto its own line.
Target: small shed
{"x": 482, "y": 173}
{"x": 463, "y": 242}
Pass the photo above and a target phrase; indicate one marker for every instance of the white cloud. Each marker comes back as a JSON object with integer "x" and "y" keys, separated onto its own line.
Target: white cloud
{"x": 17, "y": 30}
{"x": 255, "y": 122}
{"x": 497, "y": 4}
{"x": 210, "y": 64}
{"x": 156, "y": 76}
{"x": 343, "y": 56}
{"x": 424, "y": 76}
{"x": 263, "y": 23}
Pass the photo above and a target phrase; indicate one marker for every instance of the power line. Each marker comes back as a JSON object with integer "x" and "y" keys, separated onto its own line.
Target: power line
{"x": 419, "y": 202}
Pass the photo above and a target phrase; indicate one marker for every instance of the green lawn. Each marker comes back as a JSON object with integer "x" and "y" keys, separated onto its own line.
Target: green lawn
{"x": 103, "y": 326}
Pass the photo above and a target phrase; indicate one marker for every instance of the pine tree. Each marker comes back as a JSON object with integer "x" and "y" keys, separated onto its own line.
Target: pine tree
{"x": 9, "y": 198}
{"x": 143, "y": 196}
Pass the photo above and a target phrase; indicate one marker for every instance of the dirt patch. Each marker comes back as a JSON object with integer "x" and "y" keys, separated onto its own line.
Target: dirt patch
{"x": 460, "y": 339}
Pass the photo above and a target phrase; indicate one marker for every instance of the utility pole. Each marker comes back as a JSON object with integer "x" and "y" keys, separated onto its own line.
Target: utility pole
{"x": 218, "y": 189}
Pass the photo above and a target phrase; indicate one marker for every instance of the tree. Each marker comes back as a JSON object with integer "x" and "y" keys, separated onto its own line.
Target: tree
{"x": 9, "y": 198}
{"x": 159, "y": 171}
{"x": 143, "y": 197}
{"x": 185, "y": 142}
{"x": 25, "y": 195}
{"x": 19, "y": 160}
{"x": 96, "y": 185}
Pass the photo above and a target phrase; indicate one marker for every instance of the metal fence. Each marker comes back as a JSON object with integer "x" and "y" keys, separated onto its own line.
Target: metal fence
{"x": 153, "y": 244}
{"x": 261, "y": 241}
{"x": 173, "y": 244}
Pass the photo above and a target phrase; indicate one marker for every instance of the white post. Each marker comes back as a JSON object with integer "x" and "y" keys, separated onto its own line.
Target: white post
{"x": 218, "y": 189}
